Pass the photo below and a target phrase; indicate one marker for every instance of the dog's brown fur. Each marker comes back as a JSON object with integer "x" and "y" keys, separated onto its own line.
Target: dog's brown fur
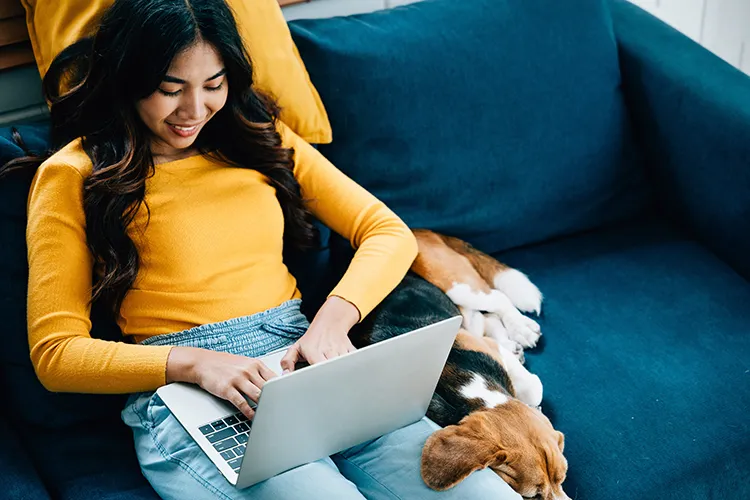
{"x": 516, "y": 441}
{"x": 442, "y": 265}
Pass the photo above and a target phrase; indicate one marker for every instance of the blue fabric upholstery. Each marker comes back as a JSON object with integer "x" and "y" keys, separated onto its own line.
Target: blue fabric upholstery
{"x": 692, "y": 113}
{"x": 480, "y": 118}
{"x": 18, "y": 478}
{"x": 88, "y": 461}
{"x": 645, "y": 363}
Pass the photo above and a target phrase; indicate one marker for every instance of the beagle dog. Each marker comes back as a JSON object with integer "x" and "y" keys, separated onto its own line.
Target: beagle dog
{"x": 486, "y": 401}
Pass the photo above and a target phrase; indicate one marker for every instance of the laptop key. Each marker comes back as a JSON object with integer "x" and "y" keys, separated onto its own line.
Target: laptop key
{"x": 222, "y": 434}
{"x": 206, "y": 429}
{"x": 241, "y": 427}
{"x": 241, "y": 417}
{"x": 218, "y": 425}
{"x": 231, "y": 420}
{"x": 239, "y": 451}
{"x": 228, "y": 455}
{"x": 235, "y": 463}
{"x": 242, "y": 438}
{"x": 225, "y": 445}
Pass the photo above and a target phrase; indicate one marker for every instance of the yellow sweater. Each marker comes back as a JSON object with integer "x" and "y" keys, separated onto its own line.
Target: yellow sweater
{"x": 212, "y": 251}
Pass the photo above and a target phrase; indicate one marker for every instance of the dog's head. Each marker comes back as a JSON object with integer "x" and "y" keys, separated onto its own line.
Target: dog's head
{"x": 516, "y": 441}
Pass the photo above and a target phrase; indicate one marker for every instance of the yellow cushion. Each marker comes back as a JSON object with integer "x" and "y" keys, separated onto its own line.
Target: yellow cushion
{"x": 279, "y": 71}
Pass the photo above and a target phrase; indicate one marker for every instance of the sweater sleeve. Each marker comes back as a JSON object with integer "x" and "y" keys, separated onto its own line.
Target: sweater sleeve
{"x": 63, "y": 353}
{"x": 385, "y": 247}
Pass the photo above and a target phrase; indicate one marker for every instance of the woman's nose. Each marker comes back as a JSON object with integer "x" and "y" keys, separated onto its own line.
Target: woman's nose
{"x": 192, "y": 106}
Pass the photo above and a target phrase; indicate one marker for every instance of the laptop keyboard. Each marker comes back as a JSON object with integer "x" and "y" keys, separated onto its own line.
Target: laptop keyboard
{"x": 229, "y": 437}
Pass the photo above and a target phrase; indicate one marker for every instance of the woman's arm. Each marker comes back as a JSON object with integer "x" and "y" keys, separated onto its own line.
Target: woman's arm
{"x": 386, "y": 248}
{"x": 63, "y": 353}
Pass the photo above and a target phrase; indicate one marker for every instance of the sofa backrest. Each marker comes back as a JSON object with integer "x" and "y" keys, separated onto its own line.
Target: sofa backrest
{"x": 500, "y": 122}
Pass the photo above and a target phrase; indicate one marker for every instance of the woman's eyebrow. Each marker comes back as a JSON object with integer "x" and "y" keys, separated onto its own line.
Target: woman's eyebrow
{"x": 174, "y": 79}
{"x": 217, "y": 75}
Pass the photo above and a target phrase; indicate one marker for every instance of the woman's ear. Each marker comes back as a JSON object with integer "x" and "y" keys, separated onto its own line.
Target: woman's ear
{"x": 451, "y": 454}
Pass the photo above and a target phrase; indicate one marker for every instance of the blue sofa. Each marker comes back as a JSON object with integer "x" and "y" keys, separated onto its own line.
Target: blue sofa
{"x": 583, "y": 142}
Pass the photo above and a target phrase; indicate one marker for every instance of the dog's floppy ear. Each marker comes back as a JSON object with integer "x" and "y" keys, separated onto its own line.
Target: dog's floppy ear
{"x": 560, "y": 440}
{"x": 451, "y": 454}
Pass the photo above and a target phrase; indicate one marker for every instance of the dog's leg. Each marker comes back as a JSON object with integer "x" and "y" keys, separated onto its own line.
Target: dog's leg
{"x": 452, "y": 273}
{"x": 527, "y": 385}
{"x": 519, "y": 289}
{"x": 513, "y": 283}
{"x": 473, "y": 321}
{"x": 457, "y": 276}
{"x": 496, "y": 331}
{"x": 520, "y": 328}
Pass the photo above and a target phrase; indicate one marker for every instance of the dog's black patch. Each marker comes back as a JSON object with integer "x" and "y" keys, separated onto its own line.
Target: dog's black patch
{"x": 413, "y": 304}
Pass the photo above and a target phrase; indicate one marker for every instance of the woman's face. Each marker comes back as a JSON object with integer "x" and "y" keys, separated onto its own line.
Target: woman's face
{"x": 192, "y": 92}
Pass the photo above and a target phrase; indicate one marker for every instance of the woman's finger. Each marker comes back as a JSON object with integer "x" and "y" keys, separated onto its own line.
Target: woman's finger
{"x": 265, "y": 372}
{"x": 239, "y": 401}
{"x": 290, "y": 358}
{"x": 250, "y": 389}
{"x": 256, "y": 377}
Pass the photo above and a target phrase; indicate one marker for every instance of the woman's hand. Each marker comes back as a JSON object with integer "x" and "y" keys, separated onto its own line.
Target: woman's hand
{"x": 225, "y": 375}
{"x": 327, "y": 337}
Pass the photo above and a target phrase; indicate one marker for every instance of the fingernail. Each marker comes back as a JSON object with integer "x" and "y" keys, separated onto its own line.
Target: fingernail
{"x": 286, "y": 370}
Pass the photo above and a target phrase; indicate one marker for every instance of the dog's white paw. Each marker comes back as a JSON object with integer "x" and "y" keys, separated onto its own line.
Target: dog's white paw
{"x": 473, "y": 321}
{"x": 522, "y": 329}
{"x": 494, "y": 328}
{"x": 520, "y": 290}
{"x": 529, "y": 389}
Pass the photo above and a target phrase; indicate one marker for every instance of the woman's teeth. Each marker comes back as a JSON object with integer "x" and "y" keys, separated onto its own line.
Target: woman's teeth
{"x": 184, "y": 131}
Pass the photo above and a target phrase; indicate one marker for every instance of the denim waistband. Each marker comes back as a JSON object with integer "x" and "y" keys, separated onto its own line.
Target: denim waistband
{"x": 251, "y": 336}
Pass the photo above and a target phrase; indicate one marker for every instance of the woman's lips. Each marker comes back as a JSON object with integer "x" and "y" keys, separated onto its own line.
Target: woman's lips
{"x": 182, "y": 130}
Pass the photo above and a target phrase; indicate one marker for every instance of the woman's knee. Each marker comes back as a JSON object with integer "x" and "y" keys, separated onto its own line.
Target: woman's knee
{"x": 320, "y": 480}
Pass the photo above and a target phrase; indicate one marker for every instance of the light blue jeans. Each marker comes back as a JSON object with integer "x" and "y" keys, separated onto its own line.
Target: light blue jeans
{"x": 384, "y": 468}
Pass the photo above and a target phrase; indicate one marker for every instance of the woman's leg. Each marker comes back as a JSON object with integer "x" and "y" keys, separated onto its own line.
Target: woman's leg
{"x": 178, "y": 469}
{"x": 389, "y": 468}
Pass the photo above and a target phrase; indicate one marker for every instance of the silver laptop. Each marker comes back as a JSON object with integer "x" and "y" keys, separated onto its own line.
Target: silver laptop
{"x": 318, "y": 410}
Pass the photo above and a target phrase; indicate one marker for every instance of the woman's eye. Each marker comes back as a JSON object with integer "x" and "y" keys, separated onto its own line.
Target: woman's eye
{"x": 214, "y": 89}
{"x": 171, "y": 94}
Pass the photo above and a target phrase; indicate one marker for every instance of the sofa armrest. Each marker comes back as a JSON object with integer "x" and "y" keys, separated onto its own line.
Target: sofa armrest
{"x": 691, "y": 113}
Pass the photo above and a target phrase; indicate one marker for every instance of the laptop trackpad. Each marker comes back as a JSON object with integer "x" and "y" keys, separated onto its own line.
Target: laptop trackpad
{"x": 273, "y": 361}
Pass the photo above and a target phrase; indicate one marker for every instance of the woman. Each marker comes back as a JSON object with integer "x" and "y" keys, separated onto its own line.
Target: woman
{"x": 173, "y": 190}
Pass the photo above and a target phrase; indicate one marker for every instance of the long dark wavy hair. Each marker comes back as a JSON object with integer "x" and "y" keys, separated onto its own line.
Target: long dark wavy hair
{"x": 93, "y": 86}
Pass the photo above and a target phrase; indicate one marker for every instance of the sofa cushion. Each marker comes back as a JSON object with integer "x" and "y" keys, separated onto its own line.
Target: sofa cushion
{"x": 644, "y": 363}
{"x": 499, "y": 122}
{"x": 86, "y": 461}
{"x": 18, "y": 478}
